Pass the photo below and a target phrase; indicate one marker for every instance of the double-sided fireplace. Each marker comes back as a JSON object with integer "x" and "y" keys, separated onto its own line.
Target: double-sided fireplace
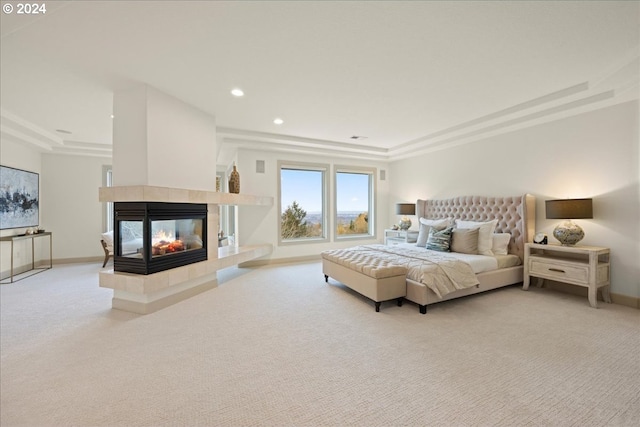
{"x": 150, "y": 237}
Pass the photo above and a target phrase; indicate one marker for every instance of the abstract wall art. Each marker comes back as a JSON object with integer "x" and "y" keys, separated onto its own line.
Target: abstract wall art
{"x": 19, "y": 198}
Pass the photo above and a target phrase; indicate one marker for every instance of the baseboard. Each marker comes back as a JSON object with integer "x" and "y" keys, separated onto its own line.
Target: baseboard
{"x": 633, "y": 302}
{"x": 45, "y": 263}
{"x": 275, "y": 261}
{"x": 626, "y": 300}
{"x": 99, "y": 259}
{"x": 16, "y": 271}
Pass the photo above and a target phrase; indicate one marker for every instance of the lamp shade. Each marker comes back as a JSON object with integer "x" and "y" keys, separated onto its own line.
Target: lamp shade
{"x": 405, "y": 208}
{"x": 569, "y": 209}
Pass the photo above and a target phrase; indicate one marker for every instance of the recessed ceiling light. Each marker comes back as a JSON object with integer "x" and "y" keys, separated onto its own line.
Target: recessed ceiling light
{"x": 278, "y": 121}
{"x": 112, "y": 116}
{"x": 68, "y": 132}
{"x": 237, "y": 92}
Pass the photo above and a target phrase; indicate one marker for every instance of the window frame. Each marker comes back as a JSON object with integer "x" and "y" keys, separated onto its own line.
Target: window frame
{"x": 227, "y": 213}
{"x": 373, "y": 174}
{"x": 312, "y": 167}
{"x": 107, "y": 212}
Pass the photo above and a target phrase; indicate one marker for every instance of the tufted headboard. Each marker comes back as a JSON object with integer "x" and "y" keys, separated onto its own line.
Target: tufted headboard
{"x": 515, "y": 215}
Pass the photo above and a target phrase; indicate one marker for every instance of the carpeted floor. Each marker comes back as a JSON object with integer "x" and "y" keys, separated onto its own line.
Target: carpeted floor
{"x": 276, "y": 346}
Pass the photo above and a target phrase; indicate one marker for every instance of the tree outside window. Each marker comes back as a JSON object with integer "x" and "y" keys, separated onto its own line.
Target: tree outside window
{"x": 353, "y": 203}
{"x": 302, "y": 206}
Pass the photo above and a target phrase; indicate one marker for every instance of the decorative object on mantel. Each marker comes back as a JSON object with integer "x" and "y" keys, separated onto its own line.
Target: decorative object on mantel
{"x": 567, "y": 232}
{"x": 234, "y": 181}
{"x": 405, "y": 209}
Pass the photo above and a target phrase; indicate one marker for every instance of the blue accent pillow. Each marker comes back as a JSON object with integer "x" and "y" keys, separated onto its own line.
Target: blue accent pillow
{"x": 439, "y": 240}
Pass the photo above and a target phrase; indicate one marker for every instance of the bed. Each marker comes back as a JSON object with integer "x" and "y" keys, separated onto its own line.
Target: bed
{"x": 424, "y": 277}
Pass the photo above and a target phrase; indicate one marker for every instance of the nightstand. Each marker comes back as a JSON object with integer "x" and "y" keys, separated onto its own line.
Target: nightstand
{"x": 394, "y": 237}
{"x": 586, "y": 266}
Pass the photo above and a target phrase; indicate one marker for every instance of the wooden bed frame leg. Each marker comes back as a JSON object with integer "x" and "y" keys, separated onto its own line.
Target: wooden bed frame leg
{"x": 377, "y": 306}
{"x": 326, "y": 278}
{"x": 400, "y": 302}
{"x": 423, "y": 309}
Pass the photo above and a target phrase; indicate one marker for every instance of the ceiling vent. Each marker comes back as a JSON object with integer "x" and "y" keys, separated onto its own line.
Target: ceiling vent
{"x": 358, "y": 137}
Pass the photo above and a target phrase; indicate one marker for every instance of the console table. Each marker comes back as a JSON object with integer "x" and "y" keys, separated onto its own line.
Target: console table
{"x": 13, "y": 239}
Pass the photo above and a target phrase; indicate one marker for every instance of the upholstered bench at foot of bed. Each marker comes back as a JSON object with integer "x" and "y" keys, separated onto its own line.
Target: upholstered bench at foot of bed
{"x": 383, "y": 283}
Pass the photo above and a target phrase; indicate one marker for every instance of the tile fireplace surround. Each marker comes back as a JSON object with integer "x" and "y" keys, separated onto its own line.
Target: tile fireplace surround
{"x": 148, "y": 293}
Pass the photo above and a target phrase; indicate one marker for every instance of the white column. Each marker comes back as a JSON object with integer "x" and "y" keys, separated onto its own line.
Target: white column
{"x": 159, "y": 140}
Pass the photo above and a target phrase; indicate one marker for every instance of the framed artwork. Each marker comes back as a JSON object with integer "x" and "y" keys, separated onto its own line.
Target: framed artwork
{"x": 19, "y": 198}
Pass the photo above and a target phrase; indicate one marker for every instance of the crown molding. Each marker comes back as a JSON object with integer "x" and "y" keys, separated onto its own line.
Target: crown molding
{"x": 248, "y": 144}
{"x": 232, "y": 134}
{"x": 19, "y": 130}
{"x": 620, "y": 83}
{"x": 560, "y": 94}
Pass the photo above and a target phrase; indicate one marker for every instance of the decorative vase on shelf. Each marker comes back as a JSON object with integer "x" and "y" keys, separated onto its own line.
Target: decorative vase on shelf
{"x": 234, "y": 181}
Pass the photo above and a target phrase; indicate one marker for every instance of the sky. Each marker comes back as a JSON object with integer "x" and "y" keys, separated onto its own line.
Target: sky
{"x": 305, "y": 187}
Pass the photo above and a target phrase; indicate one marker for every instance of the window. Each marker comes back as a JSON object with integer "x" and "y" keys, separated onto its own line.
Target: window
{"x": 227, "y": 215}
{"x": 107, "y": 181}
{"x": 354, "y": 202}
{"x": 302, "y": 200}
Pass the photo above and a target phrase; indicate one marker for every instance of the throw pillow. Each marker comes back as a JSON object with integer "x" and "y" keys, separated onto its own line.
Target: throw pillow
{"x": 486, "y": 229}
{"x": 426, "y": 224}
{"x": 465, "y": 240}
{"x": 501, "y": 243}
{"x": 439, "y": 240}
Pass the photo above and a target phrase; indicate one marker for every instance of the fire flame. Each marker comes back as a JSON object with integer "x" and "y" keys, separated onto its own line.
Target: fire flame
{"x": 162, "y": 235}
{"x": 165, "y": 243}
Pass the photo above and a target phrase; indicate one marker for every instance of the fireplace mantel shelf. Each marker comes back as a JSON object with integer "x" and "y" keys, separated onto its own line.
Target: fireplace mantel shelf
{"x": 147, "y": 193}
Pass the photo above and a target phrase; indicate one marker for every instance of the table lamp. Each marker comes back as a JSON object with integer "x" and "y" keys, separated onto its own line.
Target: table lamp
{"x": 405, "y": 209}
{"x": 568, "y": 233}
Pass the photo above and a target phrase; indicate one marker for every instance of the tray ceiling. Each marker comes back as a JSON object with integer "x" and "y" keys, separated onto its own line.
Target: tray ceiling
{"x": 404, "y": 77}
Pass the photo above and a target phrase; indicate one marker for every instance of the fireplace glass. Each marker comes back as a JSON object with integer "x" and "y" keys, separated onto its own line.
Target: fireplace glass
{"x": 169, "y": 237}
{"x": 152, "y": 237}
{"x": 131, "y": 239}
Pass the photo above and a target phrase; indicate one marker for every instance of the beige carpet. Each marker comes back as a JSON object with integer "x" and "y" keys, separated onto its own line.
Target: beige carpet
{"x": 277, "y": 346}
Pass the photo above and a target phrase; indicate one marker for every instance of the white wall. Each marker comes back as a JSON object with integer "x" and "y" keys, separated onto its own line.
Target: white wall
{"x": 595, "y": 154}
{"x": 260, "y": 224}
{"x": 70, "y": 206}
{"x": 130, "y": 137}
{"x": 182, "y": 144}
{"x": 20, "y": 157}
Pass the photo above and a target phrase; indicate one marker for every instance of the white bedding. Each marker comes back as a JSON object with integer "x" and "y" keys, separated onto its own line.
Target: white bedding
{"x": 478, "y": 263}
